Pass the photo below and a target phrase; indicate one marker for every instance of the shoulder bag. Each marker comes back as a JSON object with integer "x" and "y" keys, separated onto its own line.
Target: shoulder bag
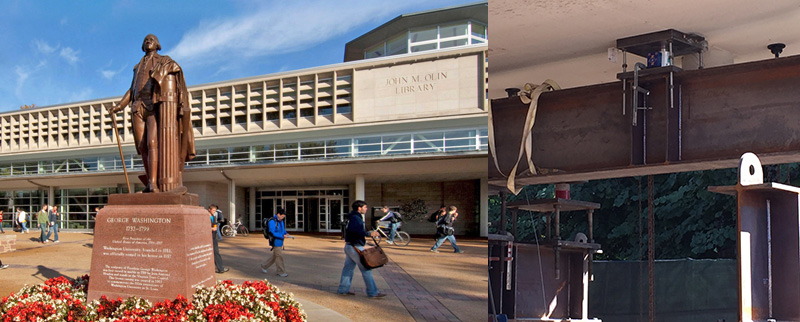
{"x": 372, "y": 257}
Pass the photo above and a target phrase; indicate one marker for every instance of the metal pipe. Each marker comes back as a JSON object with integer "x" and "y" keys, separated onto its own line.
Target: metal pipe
{"x": 671, "y": 94}
{"x": 624, "y": 82}
{"x": 636, "y": 89}
{"x": 769, "y": 257}
{"x": 680, "y": 121}
{"x": 700, "y": 59}
{"x": 557, "y": 240}
{"x": 644, "y": 133}
{"x": 590, "y": 214}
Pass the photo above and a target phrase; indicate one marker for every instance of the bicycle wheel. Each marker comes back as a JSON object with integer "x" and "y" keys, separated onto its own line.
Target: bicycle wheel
{"x": 243, "y": 231}
{"x": 227, "y": 231}
{"x": 378, "y": 239}
{"x": 402, "y": 238}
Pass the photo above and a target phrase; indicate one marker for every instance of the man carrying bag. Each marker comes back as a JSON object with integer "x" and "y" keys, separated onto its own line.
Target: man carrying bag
{"x": 355, "y": 242}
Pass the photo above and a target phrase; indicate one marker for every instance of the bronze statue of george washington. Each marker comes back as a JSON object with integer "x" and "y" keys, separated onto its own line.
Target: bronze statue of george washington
{"x": 161, "y": 114}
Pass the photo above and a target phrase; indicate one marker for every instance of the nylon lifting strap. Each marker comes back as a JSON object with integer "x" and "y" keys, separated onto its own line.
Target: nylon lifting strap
{"x": 526, "y": 145}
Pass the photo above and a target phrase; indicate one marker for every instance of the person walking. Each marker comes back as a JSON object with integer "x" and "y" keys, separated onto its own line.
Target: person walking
{"x": 277, "y": 227}
{"x": 445, "y": 230}
{"x": 53, "y": 219}
{"x": 220, "y": 220}
{"x": 22, "y": 219}
{"x": 1, "y": 222}
{"x": 219, "y": 267}
{"x": 354, "y": 239}
{"x": 394, "y": 222}
{"x": 42, "y": 220}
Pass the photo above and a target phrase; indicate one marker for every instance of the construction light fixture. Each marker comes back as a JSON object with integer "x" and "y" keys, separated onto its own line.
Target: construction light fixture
{"x": 776, "y": 48}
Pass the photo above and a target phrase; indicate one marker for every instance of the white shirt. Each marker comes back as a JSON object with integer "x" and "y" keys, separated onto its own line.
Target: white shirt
{"x": 22, "y": 216}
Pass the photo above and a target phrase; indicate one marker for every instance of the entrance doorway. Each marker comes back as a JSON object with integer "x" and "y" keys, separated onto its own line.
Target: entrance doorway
{"x": 307, "y": 210}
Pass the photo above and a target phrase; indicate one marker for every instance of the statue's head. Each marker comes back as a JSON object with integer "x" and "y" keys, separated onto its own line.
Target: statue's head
{"x": 151, "y": 38}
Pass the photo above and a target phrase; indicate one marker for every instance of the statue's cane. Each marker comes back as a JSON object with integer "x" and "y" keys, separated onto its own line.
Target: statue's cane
{"x": 121, "y": 157}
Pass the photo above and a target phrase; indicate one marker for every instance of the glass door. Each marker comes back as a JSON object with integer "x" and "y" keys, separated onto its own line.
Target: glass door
{"x": 334, "y": 215}
{"x": 292, "y": 221}
{"x": 323, "y": 214}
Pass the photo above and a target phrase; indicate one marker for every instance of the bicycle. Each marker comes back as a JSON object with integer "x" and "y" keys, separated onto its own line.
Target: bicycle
{"x": 401, "y": 238}
{"x": 236, "y": 229}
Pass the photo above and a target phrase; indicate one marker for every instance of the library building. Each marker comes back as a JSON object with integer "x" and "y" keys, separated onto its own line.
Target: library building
{"x": 401, "y": 122}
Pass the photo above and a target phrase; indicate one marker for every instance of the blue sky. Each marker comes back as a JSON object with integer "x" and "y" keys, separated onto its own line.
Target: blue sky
{"x": 59, "y": 51}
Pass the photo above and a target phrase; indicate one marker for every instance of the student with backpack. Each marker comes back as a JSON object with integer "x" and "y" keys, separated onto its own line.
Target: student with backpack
{"x": 275, "y": 231}
{"x": 445, "y": 230}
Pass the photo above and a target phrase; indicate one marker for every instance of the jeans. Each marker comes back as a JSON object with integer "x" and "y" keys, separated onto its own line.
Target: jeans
{"x": 53, "y": 231}
{"x": 217, "y": 257}
{"x": 24, "y": 229}
{"x": 393, "y": 226}
{"x": 219, "y": 233}
{"x": 43, "y": 236}
{"x": 350, "y": 262}
{"x": 452, "y": 240}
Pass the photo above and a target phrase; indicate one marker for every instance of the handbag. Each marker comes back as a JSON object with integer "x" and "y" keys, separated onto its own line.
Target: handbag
{"x": 372, "y": 257}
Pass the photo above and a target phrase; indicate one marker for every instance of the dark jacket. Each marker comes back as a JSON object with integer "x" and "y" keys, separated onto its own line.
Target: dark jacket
{"x": 446, "y": 220}
{"x": 53, "y": 217}
{"x": 355, "y": 232}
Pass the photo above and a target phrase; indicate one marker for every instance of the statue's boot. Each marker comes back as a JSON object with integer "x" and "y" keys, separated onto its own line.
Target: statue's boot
{"x": 180, "y": 190}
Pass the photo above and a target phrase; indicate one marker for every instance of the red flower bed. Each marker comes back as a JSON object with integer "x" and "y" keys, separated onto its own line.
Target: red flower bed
{"x": 60, "y": 299}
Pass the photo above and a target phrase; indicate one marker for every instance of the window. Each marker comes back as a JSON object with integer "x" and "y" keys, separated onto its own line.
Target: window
{"x": 421, "y": 35}
{"x": 453, "y": 43}
{"x": 478, "y": 30}
{"x": 448, "y": 31}
{"x": 430, "y": 38}
{"x": 416, "y": 49}
{"x": 378, "y": 50}
{"x": 397, "y": 45}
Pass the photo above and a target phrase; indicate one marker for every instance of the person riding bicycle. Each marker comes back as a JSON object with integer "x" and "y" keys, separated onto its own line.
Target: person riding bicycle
{"x": 394, "y": 219}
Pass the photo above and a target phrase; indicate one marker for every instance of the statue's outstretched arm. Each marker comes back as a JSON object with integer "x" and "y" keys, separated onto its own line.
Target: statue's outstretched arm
{"x": 126, "y": 99}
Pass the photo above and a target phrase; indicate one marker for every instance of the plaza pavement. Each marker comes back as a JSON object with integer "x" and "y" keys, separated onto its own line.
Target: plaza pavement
{"x": 420, "y": 285}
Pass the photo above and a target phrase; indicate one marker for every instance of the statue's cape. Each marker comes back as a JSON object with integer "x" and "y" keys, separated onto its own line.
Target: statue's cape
{"x": 164, "y": 65}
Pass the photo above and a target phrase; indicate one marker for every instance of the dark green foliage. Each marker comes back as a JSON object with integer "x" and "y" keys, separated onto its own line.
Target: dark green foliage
{"x": 690, "y": 221}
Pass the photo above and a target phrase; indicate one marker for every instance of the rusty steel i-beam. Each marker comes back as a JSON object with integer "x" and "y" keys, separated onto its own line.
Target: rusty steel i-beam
{"x": 717, "y": 114}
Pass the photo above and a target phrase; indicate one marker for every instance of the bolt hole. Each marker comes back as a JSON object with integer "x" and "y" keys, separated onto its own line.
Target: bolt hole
{"x": 752, "y": 170}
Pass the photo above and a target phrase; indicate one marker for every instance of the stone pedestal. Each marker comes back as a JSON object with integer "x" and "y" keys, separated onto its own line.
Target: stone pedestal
{"x": 8, "y": 243}
{"x": 153, "y": 246}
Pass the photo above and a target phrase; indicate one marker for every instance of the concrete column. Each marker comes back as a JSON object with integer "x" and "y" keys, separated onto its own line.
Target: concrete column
{"x": 232, "y": 200}
{"x": 484, "y": 207}
{"x": 51, "y": 196}
{"x": 360, "y": 194}
{"x": 252, "y": 207}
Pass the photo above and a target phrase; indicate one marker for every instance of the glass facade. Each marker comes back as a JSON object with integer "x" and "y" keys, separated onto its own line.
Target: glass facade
{"x": 442, "y": 36}
{"x": 455, "y": 140}
{"x": 76, "y": 206}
